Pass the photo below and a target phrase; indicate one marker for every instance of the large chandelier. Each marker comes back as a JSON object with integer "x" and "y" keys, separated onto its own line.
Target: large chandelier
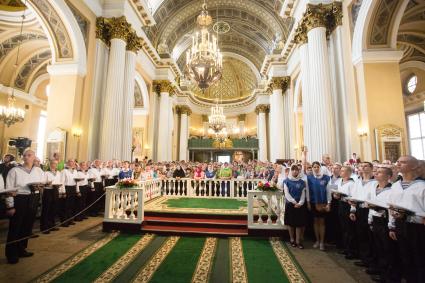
{"x": 204, "y": 62}
{"x": 10, "y": 114}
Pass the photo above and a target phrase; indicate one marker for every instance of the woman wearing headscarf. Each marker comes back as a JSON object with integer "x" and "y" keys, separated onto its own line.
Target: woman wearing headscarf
{"x": 295, "y": 189}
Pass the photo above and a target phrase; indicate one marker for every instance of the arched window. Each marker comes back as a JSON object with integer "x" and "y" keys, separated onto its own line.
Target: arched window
{"x": 411, "y": 84}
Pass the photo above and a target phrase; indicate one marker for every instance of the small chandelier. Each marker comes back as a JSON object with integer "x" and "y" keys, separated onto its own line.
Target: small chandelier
{"x": 217, "y": 120}
{"x": 204, "y": 61}
{"x": 10, "y": 114}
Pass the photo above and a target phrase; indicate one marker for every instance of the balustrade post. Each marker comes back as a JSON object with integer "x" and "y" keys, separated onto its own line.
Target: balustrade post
{"x": 140, "y": 207}
{"x": 108, "y": 204}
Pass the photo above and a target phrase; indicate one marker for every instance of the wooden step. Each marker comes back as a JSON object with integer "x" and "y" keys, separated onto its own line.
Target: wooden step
{"x": 196, "y": 222}
{"x": 173, "y": 229}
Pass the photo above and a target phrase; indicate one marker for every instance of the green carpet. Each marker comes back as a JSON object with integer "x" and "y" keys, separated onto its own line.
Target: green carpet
{"x": 207, "y": 203}
{"x": 91, "y": 267}
{"x": 261, "y": 263}
{"x": 179, "y": 265}
{"x": 185, "y": 259}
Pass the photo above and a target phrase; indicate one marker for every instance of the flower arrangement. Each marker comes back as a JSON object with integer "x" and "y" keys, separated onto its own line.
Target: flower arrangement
{"x": 267, "y": 187}
{"x": 127, "y": 183}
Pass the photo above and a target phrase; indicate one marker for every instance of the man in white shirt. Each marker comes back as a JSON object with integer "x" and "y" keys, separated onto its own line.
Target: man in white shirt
{"x": 96, "y": 173}
{"x": 359, "y": 213}
{"x": 82, "y": 190}
{"x": 408, "y": 229}
{"x": 53, "y": 182}
{"x": 69, "y": 174}
{"x": 20, "y": 207}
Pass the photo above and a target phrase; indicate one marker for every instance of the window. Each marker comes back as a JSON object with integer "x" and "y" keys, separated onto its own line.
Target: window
{"x": 42, "y": 123}
{"x": 417, "y": 134}
{"x": 411, "y": 84}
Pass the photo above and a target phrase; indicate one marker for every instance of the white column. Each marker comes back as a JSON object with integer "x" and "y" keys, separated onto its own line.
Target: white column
{"x": 277, "y": 137}
{"x": 99, "y": 86}
{"x": 111, "y": 140}
{"x": 288, "y": 122}
{"x": 165, "y": 123}
{"x": 170, "y": 125}
{"x": 262, "y": 133}
{"x": 128, "y": 105}
{"x": 305, "y": 91}
{"x": 320, "y": 104}
{"x": 184, "y": 136}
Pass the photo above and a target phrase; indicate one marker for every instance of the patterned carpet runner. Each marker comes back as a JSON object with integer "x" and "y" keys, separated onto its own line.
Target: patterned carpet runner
{"x": 151, "y": 258}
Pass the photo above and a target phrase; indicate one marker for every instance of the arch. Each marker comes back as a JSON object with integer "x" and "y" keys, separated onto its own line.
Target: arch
{"x": 145, "y": 94}
{"x": 366, "y": 19}
{"x": 37, "y": 82}
{"x": 65, "y": 38}
{"x": 412, "y": 64}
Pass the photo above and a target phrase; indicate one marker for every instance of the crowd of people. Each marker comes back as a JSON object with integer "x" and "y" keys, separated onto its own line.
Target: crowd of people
{"x": 344, "y": 204}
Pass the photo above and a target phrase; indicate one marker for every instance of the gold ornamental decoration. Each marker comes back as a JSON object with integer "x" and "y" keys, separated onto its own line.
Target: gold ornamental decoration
{"x": 161, "y": 86}
{"x": 262, "y": 108}
{"x": 119, "y": 28}
{"x": 134, "y": 43}
{"x": 328, "y": 16}
{"x": 102, "y": 30}
{"x": 280, "y": 83}
{"x": 300, "y": 36}
{"x": 183, "y": 109}
{"x": 222, "y": 143}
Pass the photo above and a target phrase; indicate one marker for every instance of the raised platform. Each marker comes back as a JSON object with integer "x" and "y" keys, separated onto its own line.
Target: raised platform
{"x": 195, "y": 216}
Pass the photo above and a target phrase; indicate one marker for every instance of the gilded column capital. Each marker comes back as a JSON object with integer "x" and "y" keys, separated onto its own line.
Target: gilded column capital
{"x": 280, "y": 83}
{"x": 328, "y": 16}
{"x": 119, "y": 28}
{"x": 262, "y": 108}
{"x": 337, "y": 14}
{"x": 315, "y": 16}
{"x": 183, "y": 109}
{"x": 134, "y": 43}
{"x": 300, "y": 36}
{"x": 102, "y": 29}
{"x": 160, "y": 86}
{"x": 241, "y": 117}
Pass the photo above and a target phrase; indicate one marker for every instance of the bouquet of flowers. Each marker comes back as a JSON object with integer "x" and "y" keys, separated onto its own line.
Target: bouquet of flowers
{"x": 267, "y": 187}
{"x": 127, "y": 183}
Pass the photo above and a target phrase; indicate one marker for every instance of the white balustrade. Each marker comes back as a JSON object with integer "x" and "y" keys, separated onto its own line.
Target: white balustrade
{"x": 233, "y": 188}
{"x": 124, "y": 205}
{"x": 265, "y": 210}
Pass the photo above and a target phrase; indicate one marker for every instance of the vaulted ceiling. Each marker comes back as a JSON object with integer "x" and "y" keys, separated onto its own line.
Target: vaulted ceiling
{"x": 255, "y": 26}
{"x": 411, "y": 34}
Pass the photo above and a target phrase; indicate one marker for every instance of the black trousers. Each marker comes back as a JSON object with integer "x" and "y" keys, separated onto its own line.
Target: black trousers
{"x": 364, "y": 235}
{"x": 333, "y": 225}
{"x": 348, "y": 229}
{"x": 386, "y": 250}
{"x": 98, "y": 191}
{"x": 71, "y": 204}
{"x": 82, "y": 201}
{"x": 49, "y": 204}
{"x": 411, "y": 243}
{"x": 20, "y": 225}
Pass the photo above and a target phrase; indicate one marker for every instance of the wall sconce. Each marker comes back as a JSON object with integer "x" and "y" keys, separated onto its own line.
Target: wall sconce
{"x": 362, "y": 132}
{"x": 77, "y": 132}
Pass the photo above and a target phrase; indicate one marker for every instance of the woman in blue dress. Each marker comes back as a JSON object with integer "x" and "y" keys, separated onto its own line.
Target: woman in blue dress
{"x": 295, "y": 189}
{"x": 320, "y": 201}
{"x": 125, "y": 172}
